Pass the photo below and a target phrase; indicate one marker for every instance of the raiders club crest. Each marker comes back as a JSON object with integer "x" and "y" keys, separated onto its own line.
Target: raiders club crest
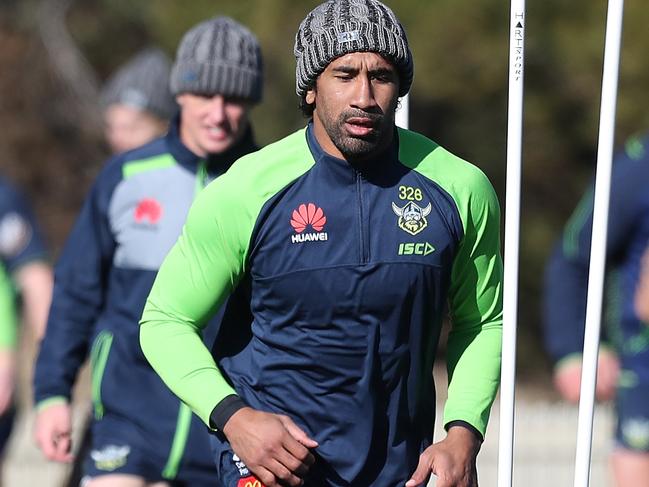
{"x": 412, "y": 217}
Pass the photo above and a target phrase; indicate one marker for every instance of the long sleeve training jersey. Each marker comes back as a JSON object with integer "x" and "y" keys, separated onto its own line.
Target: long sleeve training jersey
{"x": 348, "y": 273}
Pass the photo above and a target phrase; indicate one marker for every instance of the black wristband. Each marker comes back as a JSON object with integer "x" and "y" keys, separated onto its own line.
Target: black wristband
{"x": 224, "y": 411}
{"x": 464, "y": 424}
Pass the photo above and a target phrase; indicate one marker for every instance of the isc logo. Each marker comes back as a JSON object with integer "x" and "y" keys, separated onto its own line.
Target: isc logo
{"x": 421, "y": 248}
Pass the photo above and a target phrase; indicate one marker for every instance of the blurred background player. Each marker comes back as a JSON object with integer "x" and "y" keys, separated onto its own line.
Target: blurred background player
{"x": 137, "y": 105}
{"x": 141, "y": 433}
{"x": 623, "y": 362}
{"x": 136, "y": 101}
{"x": 24, "y": 256}
{"x": 26, "y": 281}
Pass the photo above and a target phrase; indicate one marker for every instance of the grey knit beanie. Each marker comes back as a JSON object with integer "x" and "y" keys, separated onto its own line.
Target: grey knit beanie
{"x": 338, "y": 27}
{"x": 219, "y": 56}
{"x": 143, "y": 83}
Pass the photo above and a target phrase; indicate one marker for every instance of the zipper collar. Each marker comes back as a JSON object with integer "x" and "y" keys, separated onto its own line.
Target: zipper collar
{"x": 373, "y": 168}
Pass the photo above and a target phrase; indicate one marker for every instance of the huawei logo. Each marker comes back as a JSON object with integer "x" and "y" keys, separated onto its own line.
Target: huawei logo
{"x": 148, "y": 210}
{"x": 307, "y": 215}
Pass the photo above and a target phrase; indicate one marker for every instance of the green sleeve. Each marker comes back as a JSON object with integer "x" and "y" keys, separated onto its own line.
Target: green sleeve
{"x": 195, "y": 278}
{"x": 474, "y": 343}
{"x": 8, "y": 319}
{"x": 205, "y": 266}
{"x": 475, "y": 296}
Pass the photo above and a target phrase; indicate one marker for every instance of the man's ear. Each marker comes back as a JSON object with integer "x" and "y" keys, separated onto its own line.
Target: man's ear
{"x": 309, "y": 98}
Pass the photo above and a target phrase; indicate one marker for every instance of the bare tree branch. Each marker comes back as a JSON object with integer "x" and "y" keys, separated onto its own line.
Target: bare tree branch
{"x": 71, "y": 66}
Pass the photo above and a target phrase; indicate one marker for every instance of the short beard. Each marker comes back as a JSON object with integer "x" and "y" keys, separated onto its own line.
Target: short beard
{"x": 359, "y": 148}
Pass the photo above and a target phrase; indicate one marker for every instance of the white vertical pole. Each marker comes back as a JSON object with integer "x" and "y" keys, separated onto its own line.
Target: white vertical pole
{"x": 403, "y": 113}
{"x": 512, "y": 233}
{"x": 598, "y": 242}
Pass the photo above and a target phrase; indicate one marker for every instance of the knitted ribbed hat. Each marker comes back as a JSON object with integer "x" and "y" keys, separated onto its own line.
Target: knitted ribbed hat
{"x": 219, "y": 56}
{"x": 143, "y": 83}
{"x": 338, "y": 27}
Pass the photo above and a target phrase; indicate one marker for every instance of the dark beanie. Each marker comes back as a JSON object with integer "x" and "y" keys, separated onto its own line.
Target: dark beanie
{"x": 143, "y": 83}
{"x": 219, "y": 56}
{"x": 338, "y": 27}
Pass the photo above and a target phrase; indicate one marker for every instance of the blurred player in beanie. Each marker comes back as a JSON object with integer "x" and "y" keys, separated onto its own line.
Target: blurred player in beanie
{"x": 141, "y": 434}
{"x": 137, "y": 102}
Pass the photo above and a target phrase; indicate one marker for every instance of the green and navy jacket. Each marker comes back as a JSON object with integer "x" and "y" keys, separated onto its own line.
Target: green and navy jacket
{"x": 566, "y": 277}
{"x": 21, "y": 243}
{"x": 348, "y": 272}
{"x": 131, "y": 218}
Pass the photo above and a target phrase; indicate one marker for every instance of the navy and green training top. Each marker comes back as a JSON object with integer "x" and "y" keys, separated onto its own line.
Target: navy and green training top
{"x": 21, "y": 243}
{"x": 133, "y": 215}
{"x": 348, "y": 273}
{"x": 566, "y": 277}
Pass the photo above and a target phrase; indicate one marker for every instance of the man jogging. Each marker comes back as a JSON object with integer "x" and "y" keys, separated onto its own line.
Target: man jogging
{"x": 141, "y": 433}
{"x": 347, "y": 238}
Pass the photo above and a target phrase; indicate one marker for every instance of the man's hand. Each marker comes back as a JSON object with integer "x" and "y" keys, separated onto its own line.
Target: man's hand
{"x": 567, "y": 377}
{"x": 452, "y": 460}
{"x": 272, "y": 446}
{"x": 52, "y": 432}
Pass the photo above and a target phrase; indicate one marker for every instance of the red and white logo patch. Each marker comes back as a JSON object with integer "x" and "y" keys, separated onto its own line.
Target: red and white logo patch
{"x": 148, "y": 210}
{"x": 308, "y": 215}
